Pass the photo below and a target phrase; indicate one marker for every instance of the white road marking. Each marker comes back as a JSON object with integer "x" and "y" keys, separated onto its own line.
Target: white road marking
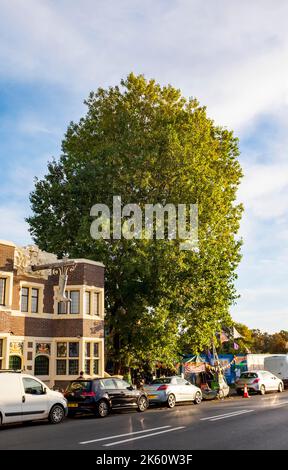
{"x": 223, "y": 414}
{"x": 232, "y": 415}
{"x": 226, "y": 415}
{"x": 142, "y": 437}
{"x": 280, "y": 403}
{"x": 123, "y": 435}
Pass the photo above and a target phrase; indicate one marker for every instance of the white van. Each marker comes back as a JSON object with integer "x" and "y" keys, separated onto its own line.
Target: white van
{"x": 278, "y": 365}
{"x": 25, "y": 398}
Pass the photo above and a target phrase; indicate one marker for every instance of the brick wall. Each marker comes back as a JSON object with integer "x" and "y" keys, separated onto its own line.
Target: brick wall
{"x": 93, "y": 328}
{"x": 9, "y": 323}
{"x": 6, "y": 257}
{"x": 86, "y": 273}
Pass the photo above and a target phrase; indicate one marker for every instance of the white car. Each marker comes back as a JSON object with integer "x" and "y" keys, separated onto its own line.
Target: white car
{"x": 25, "y": 398}
{"x": 259, "y": 381}
{"x": 171, "y": 390}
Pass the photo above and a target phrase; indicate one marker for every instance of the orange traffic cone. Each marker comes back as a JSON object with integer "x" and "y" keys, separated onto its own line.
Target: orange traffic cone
{"x": 246, "y": 394}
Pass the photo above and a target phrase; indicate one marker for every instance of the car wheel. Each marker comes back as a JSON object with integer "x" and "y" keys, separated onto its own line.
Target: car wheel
{"x": 280, "y": 388}
{"x": 262, "y": 390}
{"x": 56, "y": 414}
{"x": 171, "y": 400}
{"x": 142, "y": 404}
{"x": 102, "y": 409}
{"x": 198, "y": 398}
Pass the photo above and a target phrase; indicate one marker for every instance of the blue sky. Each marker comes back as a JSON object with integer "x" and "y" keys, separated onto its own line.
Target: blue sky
{"x": 231, "y": 55}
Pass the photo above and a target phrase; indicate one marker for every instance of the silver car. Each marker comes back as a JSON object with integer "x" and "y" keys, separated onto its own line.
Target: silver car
{"x": 171, "y": 390}
{"x": 259, "y": 381}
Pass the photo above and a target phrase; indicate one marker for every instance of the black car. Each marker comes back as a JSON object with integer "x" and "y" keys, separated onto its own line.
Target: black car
{"x": 101, "y": 395}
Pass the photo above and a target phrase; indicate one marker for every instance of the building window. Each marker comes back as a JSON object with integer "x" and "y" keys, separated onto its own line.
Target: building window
{"x": 87, "y": 302}
{"x": 62, "y": 308}
{"x": 96, "y": 349}
{"x": 73, "y": 306}
{"x": 75, "y": 301}
{"x": 41, "y": 365}
{"x": 87, "y": 366}
{"x": 1, "y": 352}
{"x": 34, "y": 300}
{"x": 95, "y": 309}
{"x": 92, "y": 303}
{"x": 61, "y": 349}
{"x": 24, "y": 299}
{"x": 15, "y": 362}
{"x": 61, "y": 367}
{"x": 73, "y": 349}
{"x": 2, "y": 290}
{"x": 73, "y": 367}
{"x": 30, "y": 299}
{"x": 96, "y": 366}
{"x": 92, "y": 358}
{"x": 67, "y": 351}
{"x": 87, "y": 349}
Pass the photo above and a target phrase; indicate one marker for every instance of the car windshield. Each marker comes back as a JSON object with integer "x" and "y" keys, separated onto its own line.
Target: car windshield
{"x": 164, "y": 380}
{"x": 249, "y": 375}
{"x": 80, "y": 386}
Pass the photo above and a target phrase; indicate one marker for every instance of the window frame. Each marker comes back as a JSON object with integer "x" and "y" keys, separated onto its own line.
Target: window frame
{"x": 26, "y": 297}
{"x": 92, "y": 358}
{"x": 67, "y": 357}
{"x": 32, "y": 288}
{"x": 2, "y": 304}
{"x": 35, "y": 297}
{"x": 68, "y": 304}
{"x": 41, "y": 356}
{"x": 40, "y": 386}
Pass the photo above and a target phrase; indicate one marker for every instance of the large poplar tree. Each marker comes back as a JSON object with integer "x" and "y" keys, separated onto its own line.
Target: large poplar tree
{"x": 148, "y": 144}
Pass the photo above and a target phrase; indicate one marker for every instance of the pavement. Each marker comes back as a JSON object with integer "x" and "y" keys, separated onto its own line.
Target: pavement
{"x": 259, "y": 422}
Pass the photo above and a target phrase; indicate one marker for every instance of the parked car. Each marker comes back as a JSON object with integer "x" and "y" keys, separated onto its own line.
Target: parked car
{"x": 171, "y": 390}
{"x": 25, "y": 398}
{"x": 102, "y": 395}
{"x": 259, "y": 381}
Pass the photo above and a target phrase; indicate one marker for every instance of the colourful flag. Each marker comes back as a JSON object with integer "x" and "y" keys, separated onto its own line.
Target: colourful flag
{"x": 223, "y": 337}
{"x": 236, "y": 334}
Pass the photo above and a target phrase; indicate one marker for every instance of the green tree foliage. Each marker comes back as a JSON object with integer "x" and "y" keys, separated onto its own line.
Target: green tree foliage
{"x": 256, "y": 341}
{"x": 148, "y": 144}
{"x": 276, "y": 343}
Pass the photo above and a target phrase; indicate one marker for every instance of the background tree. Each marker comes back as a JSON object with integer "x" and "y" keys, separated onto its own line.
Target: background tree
{"x": 148, "y": 144}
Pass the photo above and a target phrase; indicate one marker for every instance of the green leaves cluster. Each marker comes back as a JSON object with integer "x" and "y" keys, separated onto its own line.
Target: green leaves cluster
{"x": 149, "y": 145}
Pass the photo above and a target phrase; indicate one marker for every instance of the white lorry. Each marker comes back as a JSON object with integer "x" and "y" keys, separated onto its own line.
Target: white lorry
{"x": 278, "y": 365}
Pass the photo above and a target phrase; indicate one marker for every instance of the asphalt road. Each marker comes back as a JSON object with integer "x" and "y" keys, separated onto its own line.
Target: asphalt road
{"x": 260, "y": 422}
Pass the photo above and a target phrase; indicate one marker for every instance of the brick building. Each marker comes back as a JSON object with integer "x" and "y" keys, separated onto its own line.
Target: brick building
{"x": 47, "y": 338}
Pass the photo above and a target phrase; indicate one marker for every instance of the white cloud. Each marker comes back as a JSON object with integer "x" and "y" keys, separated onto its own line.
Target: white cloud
{"x": 13, "y": 226}
{"x": 232, "y": 55}
{"x": 264, "y": 190}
